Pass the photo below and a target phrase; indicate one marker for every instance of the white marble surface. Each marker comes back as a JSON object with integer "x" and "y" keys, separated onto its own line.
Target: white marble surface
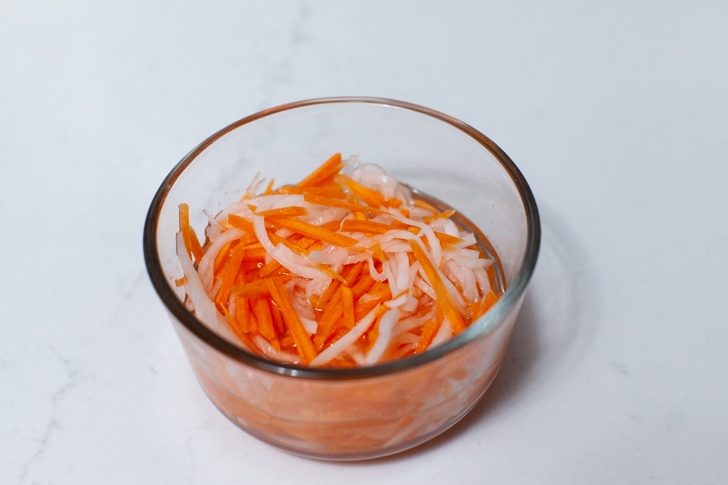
{"x": 616, "y": 112}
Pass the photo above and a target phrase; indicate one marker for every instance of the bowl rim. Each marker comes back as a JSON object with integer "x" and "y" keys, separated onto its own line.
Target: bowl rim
{"x": 485, "y": 324}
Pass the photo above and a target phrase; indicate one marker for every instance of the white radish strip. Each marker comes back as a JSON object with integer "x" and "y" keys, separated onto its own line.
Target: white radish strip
{"x": 443, "y": 334}
{"x": 325, "y": 216}
{"x": 403, "y": 193}
{"x": 402, "y": 273}
{"x": 206, "y": 268}
{"x": 456, "y": 296}
{"x": 321, "y": 257}
{"x": 471, "y": 263}
{"x": 420, "y": 212}
{"x": 446, "y": 226}
{"x": 397, "y": 302}
{"x": 373, "y": 272}
{"x": 468, "y": 240}
{"x": 357, "y": 355}
{"x": 274, "y": 354}
{"x": 239, "y": 208}
{"x": 396, "y": 246}
{"x": 386, "y": 325}
{"x": 205, "y": 310}
{"x": 410, "y": 304}
{"x": 282, "y": 254}
{"x": 481, "y": 276}
{"x": 215, "y": 288}
{"x": 340, "y": 256}
{"x": 213, "y": 229}
{"x": 283, "y": 233}
{"x": 296, "y": 290}
{"x": 436, "y": 249}
{"x": 423, "y": 285}
{"x": 310, "y": 325}
{"x": 412, "y": 274}
{"x": 374, "y": 177}
{"x": 462, "y": 277}
{"x": 389, "y": 276}
{"x": 410, "y": 323}
{"x": 317, "y": 286}
{"x": 396, "y": 234}
{"x": 275, "y": 201}
{"x": 356, "y": 258}
{"x": 346, "y": 340}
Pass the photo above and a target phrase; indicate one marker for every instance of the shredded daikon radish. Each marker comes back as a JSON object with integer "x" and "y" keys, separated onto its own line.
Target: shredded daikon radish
{"x": 346, "y": 268}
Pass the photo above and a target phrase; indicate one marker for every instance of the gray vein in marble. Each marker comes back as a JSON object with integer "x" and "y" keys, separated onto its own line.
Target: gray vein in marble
{"x": 72, "y": 380}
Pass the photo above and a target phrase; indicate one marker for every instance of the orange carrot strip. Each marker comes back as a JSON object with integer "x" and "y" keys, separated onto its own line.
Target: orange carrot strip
{"x": 254, "y": 253}
{"x": 301, "y": 227}
{"x": 447, "y": 238}
{"x": 370, "y": 227}
{"x": 326, "y": 171}
{"x": 490, "y": 299}
{"x": 184, "y": 223}
{"x": 278, "y": 323}
{"x": 271, "y": 267}
{"x": 379, "y": 253}
{"x": 441, "y": 292}
{"x": 347, "y": 306}
{"x": 292, "y": 210}
{"x": 235, "y": 325}
{"x": 327, "y": 322}
{"x": 429, "y": 329}
{"x": 231, "y": 273}
{"x": 254, "y": 289}
{"x": 363, "y": 284}
{"x": 327, "y": 270}
{"x": 378, "y": 294}
{"x": 222, "y": 257}
{"x": 394, "y": 203}
{"x": 440, "y": 215}
{"x": 339, "y": 204}
{"x": 352, "y": 274}
{"x": 369, "y": 196}
{"x": 304, "y": 346}
{"x": 179, "y": 282}
{"x": 425, "y": 205}
{"x": 194, "y": 248}
{"x": 240, "y": 222}
{"x": 269, "y": 187}
{"x": 265, "y": 320}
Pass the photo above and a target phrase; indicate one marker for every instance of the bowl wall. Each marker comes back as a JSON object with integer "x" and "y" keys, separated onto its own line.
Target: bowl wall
{"x": 367, "y": 413}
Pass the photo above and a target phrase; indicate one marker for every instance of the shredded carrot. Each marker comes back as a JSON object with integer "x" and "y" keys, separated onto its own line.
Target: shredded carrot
{"x": 304, "y": 346}
{"x": 340, "y": 204}
{"x": 194, "y": 248}
{"x": 448, "y": 239}
{"x": 316, "y": 232}
{"x": 324, "y": 173}
{"x": 371, "y": 197}
{"x": 371, "y": 227}
{"x": 336, "y": 259}
{"x": 443, "y": 295}
{"x": 233, "y": 268}
{"x": 283, "y": 211}
{"x": 429, "y": 330}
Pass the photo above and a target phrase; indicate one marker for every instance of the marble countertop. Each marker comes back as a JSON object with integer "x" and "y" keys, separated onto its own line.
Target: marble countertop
{"x": 617, "y": 114}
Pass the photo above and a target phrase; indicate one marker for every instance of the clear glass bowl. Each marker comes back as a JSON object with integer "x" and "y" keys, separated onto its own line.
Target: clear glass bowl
{"x": 367, "y": 412}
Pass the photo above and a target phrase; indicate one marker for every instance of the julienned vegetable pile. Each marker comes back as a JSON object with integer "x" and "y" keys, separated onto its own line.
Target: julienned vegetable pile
{"x": 345, "y": 268}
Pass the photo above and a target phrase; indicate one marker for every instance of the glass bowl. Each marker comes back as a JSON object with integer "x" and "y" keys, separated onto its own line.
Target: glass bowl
{"x": 365, "y": 412}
